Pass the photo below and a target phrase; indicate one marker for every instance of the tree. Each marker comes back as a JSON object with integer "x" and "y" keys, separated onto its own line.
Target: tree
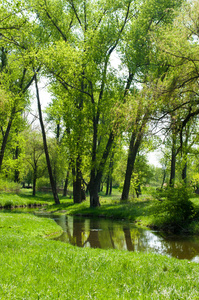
{"x": 15, "y": 82}
{"x": 52, "y": 179}
{"x": 152, "y": 15}
{"x": 15, "y": 75}
{"x": 34, "y": 153}
{"x": 177, "y": 87}
{"x": 79, "y": 58}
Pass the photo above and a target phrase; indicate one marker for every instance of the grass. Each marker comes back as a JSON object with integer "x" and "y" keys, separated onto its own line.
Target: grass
{"x": 15, "y": 224}
{"x": 33, "y": 267}
{"x": 143, "y": 211}
{"x": 24, "y": 198}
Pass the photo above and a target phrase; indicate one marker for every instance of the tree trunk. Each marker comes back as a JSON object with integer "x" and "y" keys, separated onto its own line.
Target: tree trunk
{"x": 77, "y": 198}
{"x": 138, "y": 191}
{"x": 99, "y": 186}
{"x": 111, "y": 174}
{"x": 111, "y": 185}
{"x": 135, "y": 142}
{"x": 107, "y": 185}
{"x": 34, "y": 181}
{"x": 16, "y": 177}
{"x": 4, "y": 141}
{"x": 79, "y": 193}
{"x": 83, "y": 193}
{"x": 96, "y": 175}
{"x": 53, "y": 185}
{"x": 66, "y": 183}
{"x": 78, "y": 190}
{"x": 173, "y": 163}
{"x": 133, "y": 150}
{"x": 184, "y": 173}
{"x": 94, "y": 197}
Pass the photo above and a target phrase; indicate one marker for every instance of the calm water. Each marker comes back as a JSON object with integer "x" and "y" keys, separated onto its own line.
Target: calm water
{"x": 108, "y": 234}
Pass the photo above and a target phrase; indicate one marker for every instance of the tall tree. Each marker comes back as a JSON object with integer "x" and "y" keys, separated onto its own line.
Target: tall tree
{"x": 15, "y": 74}
{"x": 177, "y": 87}
{"x": 136, "y": 56}
{"x": 34, "y": 151}
{"x": 15, "y": 81}
{"x": 79, "y": 59}
{"x": 52, "y": 179}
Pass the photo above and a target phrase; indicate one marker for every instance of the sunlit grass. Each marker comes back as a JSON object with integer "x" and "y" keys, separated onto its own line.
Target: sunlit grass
{"x": 142, "y": 211}
{"x": 26, "y": 224}
{"x": 25, "y": 198}
{"x": 32, "y": 267}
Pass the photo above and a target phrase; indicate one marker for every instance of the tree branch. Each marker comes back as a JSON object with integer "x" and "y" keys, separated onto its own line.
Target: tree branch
{"x": 53, "y": 22}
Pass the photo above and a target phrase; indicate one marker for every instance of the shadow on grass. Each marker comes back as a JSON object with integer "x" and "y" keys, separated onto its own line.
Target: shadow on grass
{"x": 128, "y": 211}
{"x": 111, "y": 207}
{"x": 40, "y": 196}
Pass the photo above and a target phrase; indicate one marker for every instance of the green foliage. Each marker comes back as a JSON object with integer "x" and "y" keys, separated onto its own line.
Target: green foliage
{"x": 43, "y": 182}
{"x": 135, "y": 182}
{"x": 74, "y": 43}
{"x": 175, "y": 209}
{"x": 9, "y": 186}
{"x": 157, "y": 174}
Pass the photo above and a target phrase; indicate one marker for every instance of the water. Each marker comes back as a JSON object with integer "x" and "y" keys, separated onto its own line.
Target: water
{"x": 108, "y": 234}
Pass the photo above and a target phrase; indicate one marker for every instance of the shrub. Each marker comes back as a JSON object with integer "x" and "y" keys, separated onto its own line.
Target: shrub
{"x": 174, "y": 209}
{"x": 43, "y": 182}
{"x": 9, "y": 186}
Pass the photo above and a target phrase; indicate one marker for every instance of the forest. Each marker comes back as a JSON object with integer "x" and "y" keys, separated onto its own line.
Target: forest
{"x": 122, "y": 81}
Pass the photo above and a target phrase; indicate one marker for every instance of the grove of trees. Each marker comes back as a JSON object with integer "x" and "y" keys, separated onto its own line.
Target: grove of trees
{"x": 122, "y": 79}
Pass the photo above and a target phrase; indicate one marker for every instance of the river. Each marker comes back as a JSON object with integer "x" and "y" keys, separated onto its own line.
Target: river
{"x": 121, "y": 235}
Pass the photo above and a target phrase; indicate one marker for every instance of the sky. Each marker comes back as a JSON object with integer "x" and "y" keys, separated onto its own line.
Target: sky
{"x": 153, "y": 158}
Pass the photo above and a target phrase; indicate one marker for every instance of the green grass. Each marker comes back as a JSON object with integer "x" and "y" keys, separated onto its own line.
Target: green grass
{"x": 142, "y": 211}
{"x": 24, "y": 198}
{"x": 33, "y": 267}
{"x": 138, "y": 210}
{"x": 14, "y": 224}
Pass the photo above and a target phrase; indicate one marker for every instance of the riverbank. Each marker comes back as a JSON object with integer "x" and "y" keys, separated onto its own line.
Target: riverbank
{"x": 34, "y": 267}
{"x": 144, "y": 211}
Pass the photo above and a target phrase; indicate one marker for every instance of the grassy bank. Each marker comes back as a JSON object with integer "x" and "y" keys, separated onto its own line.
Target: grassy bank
{"x": 34, "y": 267}
{"x": 144, "y": 211}
{"x": 139, "y": 211}
{"x": 24, "y": 198}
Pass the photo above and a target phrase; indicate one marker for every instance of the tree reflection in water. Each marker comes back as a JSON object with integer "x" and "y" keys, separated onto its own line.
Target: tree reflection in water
{"x": 108, "y": 234}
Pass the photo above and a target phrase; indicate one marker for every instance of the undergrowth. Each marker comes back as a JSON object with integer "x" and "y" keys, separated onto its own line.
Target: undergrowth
{"x": 174, "y": 210}
{"x": 9, "y": 186}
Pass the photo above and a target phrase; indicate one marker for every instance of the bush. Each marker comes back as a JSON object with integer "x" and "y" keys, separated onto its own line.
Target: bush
{"x": 43, "y": 182}
{"x": 174, "y": 209}
{"x": 9, "y": 186}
